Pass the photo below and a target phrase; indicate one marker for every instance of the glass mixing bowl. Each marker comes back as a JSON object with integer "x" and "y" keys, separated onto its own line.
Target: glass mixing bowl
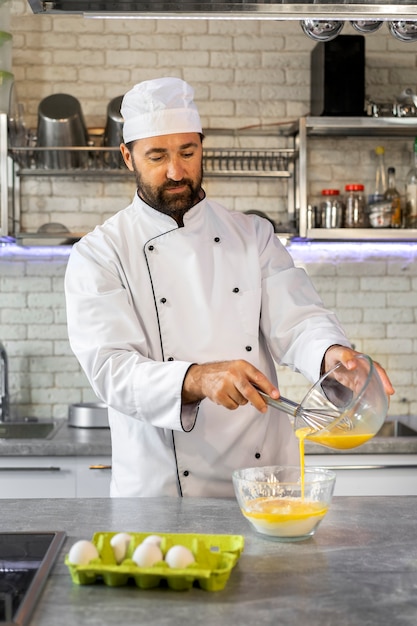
{"x": 281, "y": 503}
{"x": 345, "y": 407}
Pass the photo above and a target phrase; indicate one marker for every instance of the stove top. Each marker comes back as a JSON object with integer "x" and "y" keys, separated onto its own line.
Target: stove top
{"x": 26, "y": 558}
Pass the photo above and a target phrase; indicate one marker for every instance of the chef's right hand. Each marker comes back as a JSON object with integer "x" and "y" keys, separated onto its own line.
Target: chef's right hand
{"x": 229, "y": 383}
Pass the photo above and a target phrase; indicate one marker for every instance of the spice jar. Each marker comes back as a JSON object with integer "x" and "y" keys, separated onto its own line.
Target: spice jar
{"x": 332, "y": 209}
{"x": 355, "y": 203}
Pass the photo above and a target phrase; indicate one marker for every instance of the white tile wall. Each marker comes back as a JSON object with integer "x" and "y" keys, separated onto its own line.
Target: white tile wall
{"x": 244, "y": 74}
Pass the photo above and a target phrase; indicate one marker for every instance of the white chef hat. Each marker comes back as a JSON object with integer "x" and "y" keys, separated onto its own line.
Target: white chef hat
{"x": 162, "y": 106}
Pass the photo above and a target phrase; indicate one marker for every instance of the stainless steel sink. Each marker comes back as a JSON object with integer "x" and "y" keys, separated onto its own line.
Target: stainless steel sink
{"x": 404, "y": 426}
{"x": 30, "y": 428}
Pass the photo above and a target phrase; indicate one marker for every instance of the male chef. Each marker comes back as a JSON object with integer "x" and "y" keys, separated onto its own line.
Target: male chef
{"x": 179, "y": 308}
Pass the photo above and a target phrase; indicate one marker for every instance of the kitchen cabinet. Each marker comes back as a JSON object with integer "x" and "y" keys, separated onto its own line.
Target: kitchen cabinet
{"x": 370, "y": 474}
{"x": 93, "y": 477}
{"x": 327, "y": 127}
{"x": 54, "y": 477}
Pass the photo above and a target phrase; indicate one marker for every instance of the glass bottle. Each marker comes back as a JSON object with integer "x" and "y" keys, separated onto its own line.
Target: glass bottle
{"x": 411, "y": 192}
{"x": 380, "y": 177}
{"x": 392, "y": 194}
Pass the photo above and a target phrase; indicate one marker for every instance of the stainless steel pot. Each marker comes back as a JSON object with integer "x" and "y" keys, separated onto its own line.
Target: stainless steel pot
{"x": 113, "y": 133}
{"x": 61, "y": 124}
{"x": 88, "y": 415}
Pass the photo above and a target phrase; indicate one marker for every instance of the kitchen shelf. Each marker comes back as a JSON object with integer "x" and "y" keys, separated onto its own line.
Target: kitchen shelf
{"x": 98, "y": 162}
{"x": 81, "y": 160}
{"x": 361, "y": 126}
{"x": 365, "y": 234}
{"x": 325, "y": 127}
{"x": 233, "y": 9}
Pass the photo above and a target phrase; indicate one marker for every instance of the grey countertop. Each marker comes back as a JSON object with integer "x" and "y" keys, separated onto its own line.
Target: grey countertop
{"x": 69, "y": 441}
{"x": 360, "y": 569}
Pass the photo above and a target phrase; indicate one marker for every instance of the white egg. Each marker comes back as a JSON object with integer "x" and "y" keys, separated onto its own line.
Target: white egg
{"x": 120, "y": 543}
{"x": 155, "y": 539}
{"x": 179, "y": 557}
{"x": 147, "y": 554}
{"x": 82, "y": 552}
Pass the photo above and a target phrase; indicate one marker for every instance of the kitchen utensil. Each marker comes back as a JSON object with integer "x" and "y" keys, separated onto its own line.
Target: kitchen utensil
{"x": 343, "y": 409}
{"x": 404, "y": 30}
{"x": 281, "y": 503}
{"x": 367, "y": 26}
{"x": 380, "y": 214}
{"x": 61, "y": 124}
{"x": 321, "y": 30}
{"x": 315, "y": 420}
{"x": 53, "y": 228}
{"x": 113, "y": 133}
{"x": 88, "y": 415}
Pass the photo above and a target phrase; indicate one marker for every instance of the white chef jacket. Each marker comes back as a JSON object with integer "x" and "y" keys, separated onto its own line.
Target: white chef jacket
{"x": 147, "y": 298}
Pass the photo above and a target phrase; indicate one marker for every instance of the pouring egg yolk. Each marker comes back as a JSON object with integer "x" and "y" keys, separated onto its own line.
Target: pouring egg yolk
{"x": 339, "y": 440}
{"x": 298, "y": 516}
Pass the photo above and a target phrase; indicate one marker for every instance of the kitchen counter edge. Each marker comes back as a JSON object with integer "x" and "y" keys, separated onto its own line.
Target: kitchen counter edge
{"x": 69, "y": 441}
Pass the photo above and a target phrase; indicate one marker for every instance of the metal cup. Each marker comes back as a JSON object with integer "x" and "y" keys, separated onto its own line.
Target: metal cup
{"x": 113, "y": 133}
{"x": 61, "y": 124}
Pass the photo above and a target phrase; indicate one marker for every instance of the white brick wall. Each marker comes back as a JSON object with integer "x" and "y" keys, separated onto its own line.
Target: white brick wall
{"x": 379, "y": 313}
{"x": 244, "y": 74}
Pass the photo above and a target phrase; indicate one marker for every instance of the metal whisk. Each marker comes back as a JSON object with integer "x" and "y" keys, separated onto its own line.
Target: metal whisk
{"x": 315, "y": 419}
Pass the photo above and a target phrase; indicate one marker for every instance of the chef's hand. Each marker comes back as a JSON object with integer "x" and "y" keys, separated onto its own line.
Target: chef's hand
{"x": 334, "y": 354}
{"x": 229, "y": 383}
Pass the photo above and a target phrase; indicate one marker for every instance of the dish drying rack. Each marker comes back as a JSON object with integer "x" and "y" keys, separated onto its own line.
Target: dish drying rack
{"x": 104, "y": 163}
{"x": 89, "y": 160}
{"x": 246, "y": 162}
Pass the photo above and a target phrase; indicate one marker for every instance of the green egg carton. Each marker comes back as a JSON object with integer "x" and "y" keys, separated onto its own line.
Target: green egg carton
{"x": 215, "y": 556}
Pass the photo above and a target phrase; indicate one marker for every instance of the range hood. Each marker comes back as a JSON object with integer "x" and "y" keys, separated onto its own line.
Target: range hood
{"x": 231, "y": 9}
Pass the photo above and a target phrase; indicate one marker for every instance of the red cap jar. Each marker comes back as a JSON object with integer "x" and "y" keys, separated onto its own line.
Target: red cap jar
{"x": 355, "y": 211}
{"x": 332, "y": 209}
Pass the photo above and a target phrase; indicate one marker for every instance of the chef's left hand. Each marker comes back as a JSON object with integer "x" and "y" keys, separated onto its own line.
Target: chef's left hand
{"x": 334, "y": 354}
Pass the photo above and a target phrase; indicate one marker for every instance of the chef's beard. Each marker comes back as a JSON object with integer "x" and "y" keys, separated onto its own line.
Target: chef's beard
{"x": 175, "y": 205}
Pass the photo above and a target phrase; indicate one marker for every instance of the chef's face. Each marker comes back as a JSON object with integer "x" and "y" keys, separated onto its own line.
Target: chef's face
{"x": 168, "y": 171}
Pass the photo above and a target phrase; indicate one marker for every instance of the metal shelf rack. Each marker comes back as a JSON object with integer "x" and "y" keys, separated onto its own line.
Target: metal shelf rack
{"x": 346, "y": 127}
{"x": 95, "y": 162}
